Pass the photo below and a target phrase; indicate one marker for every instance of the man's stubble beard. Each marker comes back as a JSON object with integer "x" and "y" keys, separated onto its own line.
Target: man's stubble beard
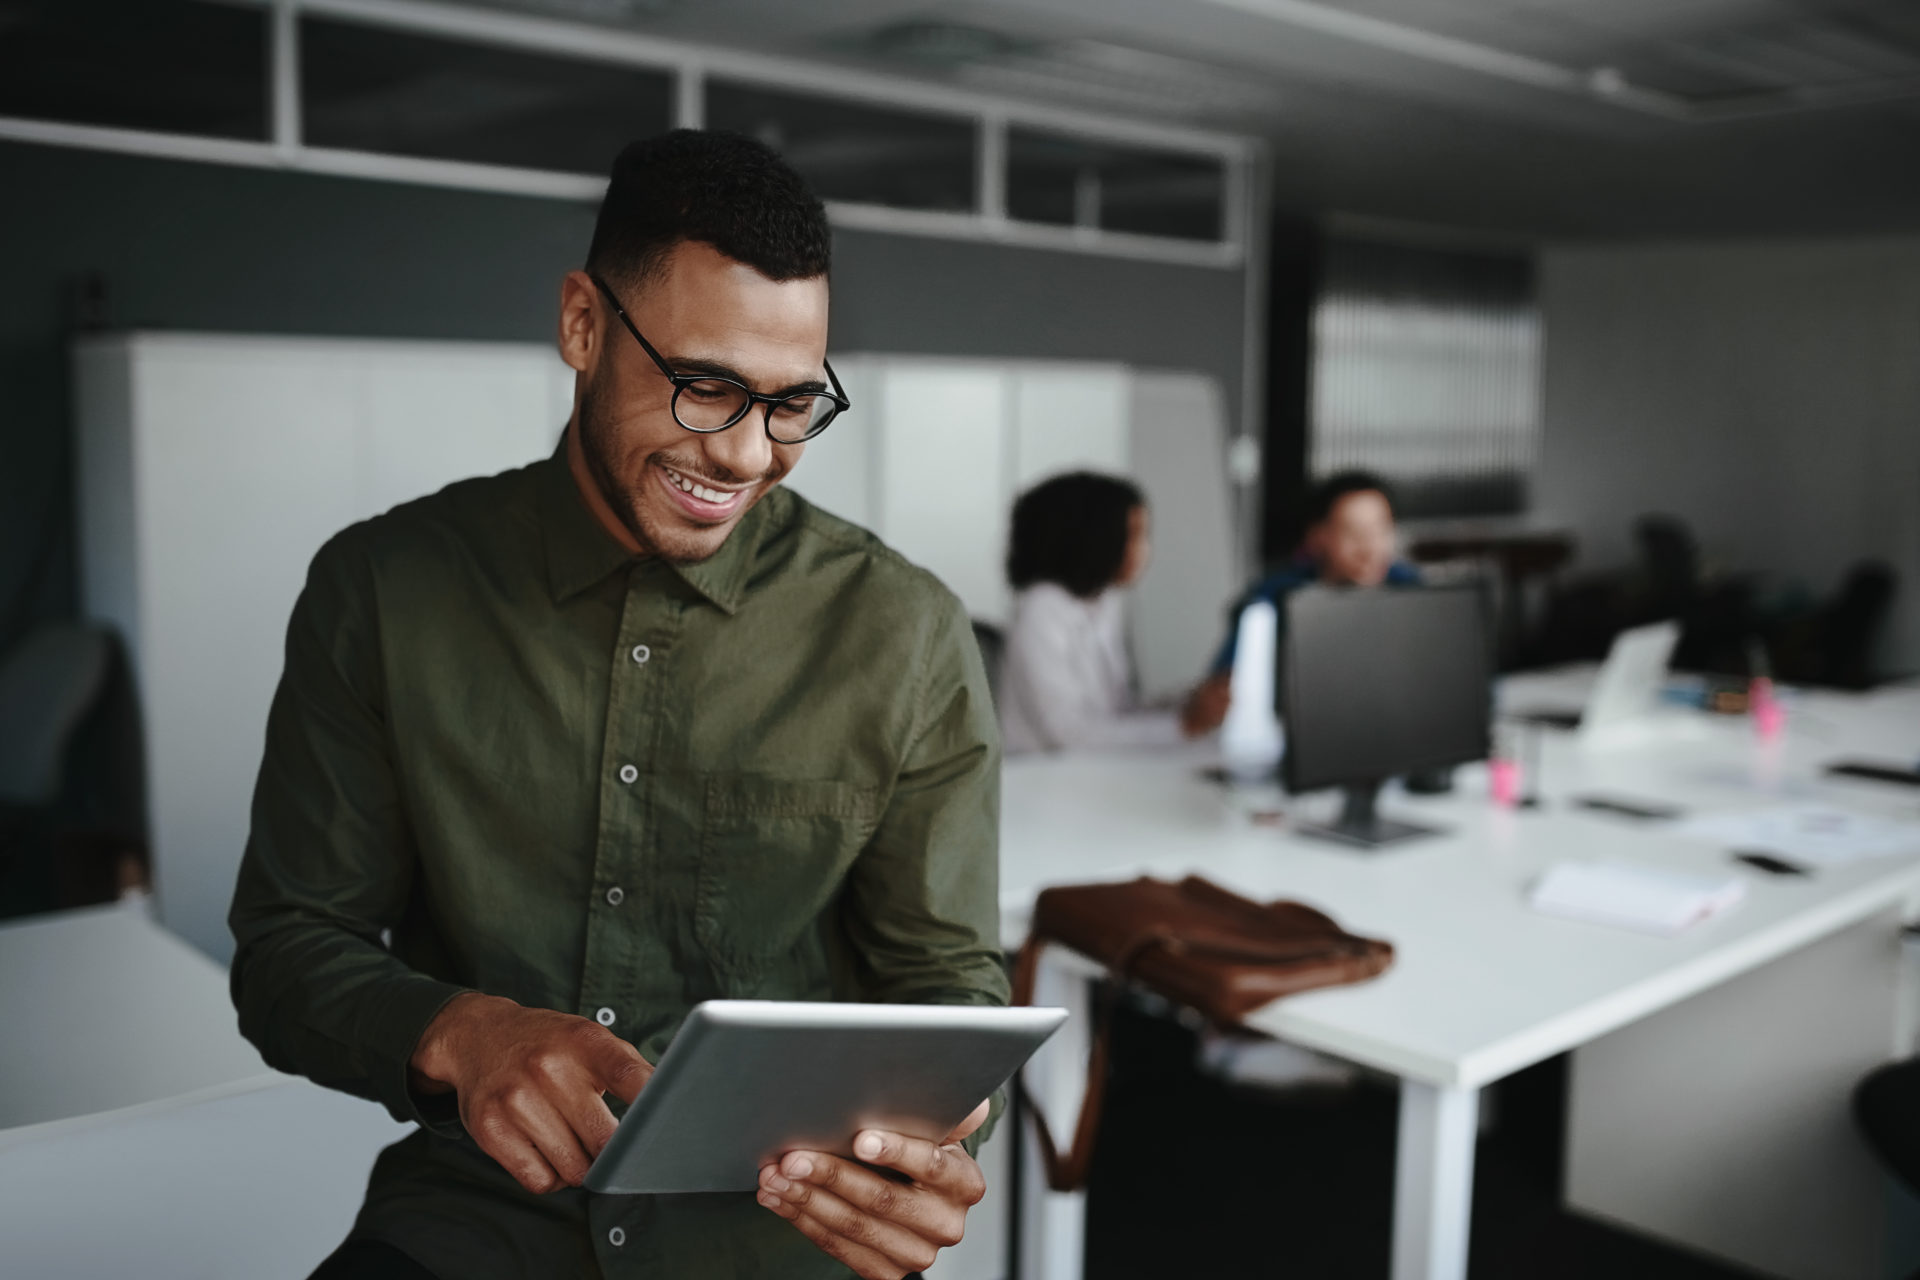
{"x": 598, "y": 445}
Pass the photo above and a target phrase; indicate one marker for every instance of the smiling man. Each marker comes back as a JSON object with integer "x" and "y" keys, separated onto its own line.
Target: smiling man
{"x": 559, "y": 753}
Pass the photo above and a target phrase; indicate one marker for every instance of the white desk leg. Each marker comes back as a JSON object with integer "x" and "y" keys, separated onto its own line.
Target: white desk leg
{"x": 1053, "y": 1225}
{"x": 1433, "y": 1181}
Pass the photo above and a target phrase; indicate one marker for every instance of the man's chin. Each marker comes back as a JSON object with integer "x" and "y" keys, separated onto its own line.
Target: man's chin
{"x": 680, "y": 542}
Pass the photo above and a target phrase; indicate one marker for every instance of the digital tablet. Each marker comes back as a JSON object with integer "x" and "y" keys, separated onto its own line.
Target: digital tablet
{"x": 746, "y": 1081}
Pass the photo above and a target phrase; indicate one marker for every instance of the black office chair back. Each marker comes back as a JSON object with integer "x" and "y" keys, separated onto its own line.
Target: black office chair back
{"x": 1851, "y": 623}
{"x": 993, "y": 647}
{"x": 1671, "y": 561}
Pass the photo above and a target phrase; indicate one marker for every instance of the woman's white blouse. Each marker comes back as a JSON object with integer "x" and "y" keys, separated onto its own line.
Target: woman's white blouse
{"x": 1066, "y": 680}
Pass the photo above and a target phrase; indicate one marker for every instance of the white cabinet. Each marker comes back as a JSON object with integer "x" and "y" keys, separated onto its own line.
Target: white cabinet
{"x": 1178, "y": 438}
{"x": 935, "y": 450}
{"x": 943, "y": 459}
{"x": 1070, "y": 417}
{"x": 211, "y": 468}
{"x": 837, "y": 471}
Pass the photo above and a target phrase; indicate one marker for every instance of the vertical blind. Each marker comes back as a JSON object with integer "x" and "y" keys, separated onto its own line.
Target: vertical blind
{"x": 1426, "y": 369}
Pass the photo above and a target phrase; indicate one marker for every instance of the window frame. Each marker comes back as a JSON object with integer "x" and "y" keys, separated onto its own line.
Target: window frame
{"x": 690, "y": 65}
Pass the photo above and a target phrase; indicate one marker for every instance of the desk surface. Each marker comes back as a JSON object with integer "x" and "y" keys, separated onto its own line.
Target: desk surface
{"x": 104, "y": 1009}
{"x": 1483, "y": 985}
{"x": 256, "y": 1180}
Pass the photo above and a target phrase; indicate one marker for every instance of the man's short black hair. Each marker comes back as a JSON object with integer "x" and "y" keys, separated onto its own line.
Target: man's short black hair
{"x": 720, "y": 189}
{"x": 1072, "y": 531}
{"x": 1326, "y": 494}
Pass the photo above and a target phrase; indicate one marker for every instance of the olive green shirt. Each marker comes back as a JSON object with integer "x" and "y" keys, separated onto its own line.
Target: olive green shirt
{"x": 507, "y": 756}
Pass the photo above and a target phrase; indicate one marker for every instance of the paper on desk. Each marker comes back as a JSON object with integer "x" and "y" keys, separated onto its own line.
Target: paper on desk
{"x": 1812, "y": 834}
{"x": 1648, "y": 899}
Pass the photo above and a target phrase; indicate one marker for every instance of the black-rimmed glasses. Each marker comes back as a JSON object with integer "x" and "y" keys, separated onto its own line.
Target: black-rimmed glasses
{"x": 707, "y": 402}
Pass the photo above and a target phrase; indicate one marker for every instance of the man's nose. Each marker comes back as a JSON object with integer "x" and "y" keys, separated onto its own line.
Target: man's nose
{"x": 743, "y": 449}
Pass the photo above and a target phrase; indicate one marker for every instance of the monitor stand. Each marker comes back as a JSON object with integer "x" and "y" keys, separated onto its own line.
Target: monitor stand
{"x": 1360, "y": 824}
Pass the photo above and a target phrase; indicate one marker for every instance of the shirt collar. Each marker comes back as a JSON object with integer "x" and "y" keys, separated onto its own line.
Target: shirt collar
{"x": 722, "y": 577}
{"x": 580, "y": 552}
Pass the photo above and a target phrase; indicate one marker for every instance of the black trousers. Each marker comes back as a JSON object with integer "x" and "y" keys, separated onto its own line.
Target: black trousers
{"x": 372, "y": 1260}
{"x": 1886, "y": 1106}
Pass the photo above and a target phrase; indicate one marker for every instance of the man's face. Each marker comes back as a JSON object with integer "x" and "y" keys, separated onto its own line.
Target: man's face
{"x": 1355, "y": 544}
{"x": 675, "y": 493}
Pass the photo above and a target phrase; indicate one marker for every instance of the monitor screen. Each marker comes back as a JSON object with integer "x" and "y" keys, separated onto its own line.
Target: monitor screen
{"x": 1383, "y": 681}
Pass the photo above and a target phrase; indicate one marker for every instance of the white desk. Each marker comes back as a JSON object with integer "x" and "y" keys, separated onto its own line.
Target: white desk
{"x": 101, "y": 1009}
{"x": 140, "y": 1134}
{"x": 1482, "y": 986}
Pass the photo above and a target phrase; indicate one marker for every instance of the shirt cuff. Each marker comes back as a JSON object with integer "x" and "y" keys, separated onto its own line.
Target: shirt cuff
{"x": 394, "y": 1024}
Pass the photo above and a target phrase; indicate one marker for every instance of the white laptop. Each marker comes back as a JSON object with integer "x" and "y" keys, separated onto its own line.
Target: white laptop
{"x": 1627, "y": 689}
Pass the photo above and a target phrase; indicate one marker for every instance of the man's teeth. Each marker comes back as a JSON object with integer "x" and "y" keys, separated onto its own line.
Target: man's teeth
{"x": 700, "y": 491}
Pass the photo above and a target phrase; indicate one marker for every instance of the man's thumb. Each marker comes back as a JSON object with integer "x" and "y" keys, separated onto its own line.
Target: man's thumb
{"x": 974, "y": 1120}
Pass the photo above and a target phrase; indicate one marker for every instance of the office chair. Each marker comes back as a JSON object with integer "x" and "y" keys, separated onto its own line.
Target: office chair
{"x": 54, "y": 687}
{"x": 1849, "y": 626}
{"x": 1670, "y": 561}
{"x": 993, "y": 646}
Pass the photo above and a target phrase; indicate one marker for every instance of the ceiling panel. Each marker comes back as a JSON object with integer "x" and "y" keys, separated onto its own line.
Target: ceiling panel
{"x": 1762, "y": 116}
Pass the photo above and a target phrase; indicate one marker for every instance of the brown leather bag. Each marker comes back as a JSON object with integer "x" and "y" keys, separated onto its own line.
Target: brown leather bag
{"x": 1193, "y": 942}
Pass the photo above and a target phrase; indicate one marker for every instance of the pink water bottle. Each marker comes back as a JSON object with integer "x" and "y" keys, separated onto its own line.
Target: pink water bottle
{"x": 1505, "y": 778}
{"x": 1769, "y": 718}
{"x": 1503, "y": 781}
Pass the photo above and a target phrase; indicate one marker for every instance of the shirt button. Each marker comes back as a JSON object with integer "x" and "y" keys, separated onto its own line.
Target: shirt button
{"x": 628, "y": 773}
{"x": 616, "y": 1237}
{"x": 615, "y": 896}
{"x": 640, "y": 654}
{"x": 604, "y": 1017}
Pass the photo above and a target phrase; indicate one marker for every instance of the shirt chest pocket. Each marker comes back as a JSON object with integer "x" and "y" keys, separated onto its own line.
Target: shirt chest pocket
{"x": 773, "y": 854}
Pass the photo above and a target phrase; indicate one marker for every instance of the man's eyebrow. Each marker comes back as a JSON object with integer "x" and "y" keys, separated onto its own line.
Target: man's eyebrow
{"x": 717, "y": 369}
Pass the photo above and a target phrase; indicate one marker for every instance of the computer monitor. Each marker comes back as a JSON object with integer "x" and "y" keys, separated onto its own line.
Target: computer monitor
{"x": 1379, "y": 682}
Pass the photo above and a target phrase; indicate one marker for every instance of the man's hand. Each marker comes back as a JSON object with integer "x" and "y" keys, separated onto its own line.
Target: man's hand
{"x": 529, "y": 1083}
{"x": 881, "y": 1228}
{"x": 1207, "y": 705}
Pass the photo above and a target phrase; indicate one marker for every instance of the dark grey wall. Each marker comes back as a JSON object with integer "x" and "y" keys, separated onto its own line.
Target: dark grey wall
{"x": 1766, "y": 392}
{"x": 208, "y": 247}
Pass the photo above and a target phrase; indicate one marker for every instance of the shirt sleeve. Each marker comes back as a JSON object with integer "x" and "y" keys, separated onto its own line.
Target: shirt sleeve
{"x": 1047, "y": 683}
{"x": 329, "y": 865}
{"x": 923, "y": 898}
{"x": 922, "y": 906}
{"x": 1230, "y": 642}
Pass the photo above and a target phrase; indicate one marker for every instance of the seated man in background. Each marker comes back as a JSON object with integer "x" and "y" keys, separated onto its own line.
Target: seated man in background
{"x": 1350, "y": 541}
{"x": 1067, "y": 681}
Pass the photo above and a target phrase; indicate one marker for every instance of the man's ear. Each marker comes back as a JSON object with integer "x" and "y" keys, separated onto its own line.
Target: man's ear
{"x": 580, "y": 336}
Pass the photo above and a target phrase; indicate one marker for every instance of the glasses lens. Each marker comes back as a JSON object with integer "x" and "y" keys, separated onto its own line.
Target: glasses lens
{"x": 709, "y": 404}
{"x": 801, "y": 417}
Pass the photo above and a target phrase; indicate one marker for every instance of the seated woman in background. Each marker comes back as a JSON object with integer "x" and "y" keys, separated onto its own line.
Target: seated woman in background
{"x": 1066, "y": 680}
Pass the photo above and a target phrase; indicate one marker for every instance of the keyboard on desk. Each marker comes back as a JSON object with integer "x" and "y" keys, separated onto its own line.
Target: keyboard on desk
{"x": 1875, "y": 772}
{"x": 1550, "y": 718}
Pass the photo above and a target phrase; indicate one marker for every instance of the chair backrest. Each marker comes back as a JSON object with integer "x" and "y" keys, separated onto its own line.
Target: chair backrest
{"x": 1851, "y": 623}
{"x": 48, "y": 684}
{"x": 1670, "y": 558}
{"x": 993, "y": 646}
